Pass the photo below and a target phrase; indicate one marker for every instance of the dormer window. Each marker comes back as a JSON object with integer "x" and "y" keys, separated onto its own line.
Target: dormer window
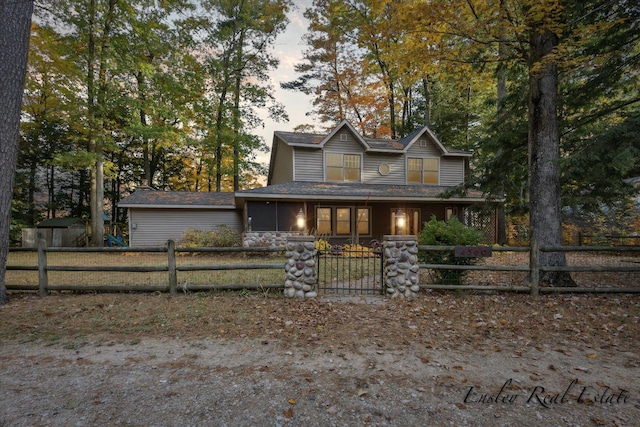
{"x": 342, "y": 167}
{"x": 422, "y": 171}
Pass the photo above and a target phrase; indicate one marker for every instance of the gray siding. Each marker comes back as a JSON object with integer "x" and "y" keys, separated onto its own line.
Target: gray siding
{"x": 153, "y": 227}
{"x": 372, "y": 162}
{"x": 431, "y": 150}
{"x": 309, "y": 165}
{"x": 350, "y": 146}
{"x": 283, "y": 165}
{"x": 451, "y": 171}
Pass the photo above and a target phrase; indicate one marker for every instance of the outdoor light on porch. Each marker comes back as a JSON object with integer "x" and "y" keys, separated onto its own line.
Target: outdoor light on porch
{"x": 401, "y": 222}
{"x": 301, "y": 220}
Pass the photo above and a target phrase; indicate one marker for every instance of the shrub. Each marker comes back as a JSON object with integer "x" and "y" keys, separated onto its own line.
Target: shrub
{"x": 449, "y": 233}
{"x": 220, "y": 237}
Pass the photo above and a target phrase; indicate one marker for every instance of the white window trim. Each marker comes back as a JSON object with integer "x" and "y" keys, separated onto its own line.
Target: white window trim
{"x": 406, "y": 168}
{"x": 324, "y": 165}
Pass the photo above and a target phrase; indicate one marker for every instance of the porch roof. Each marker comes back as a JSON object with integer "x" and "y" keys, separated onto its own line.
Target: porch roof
{"x": 308, "y": 191}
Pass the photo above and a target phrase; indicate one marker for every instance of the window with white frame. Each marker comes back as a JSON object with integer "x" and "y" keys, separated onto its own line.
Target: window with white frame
{"x": 422, "y": 170}
{"x": 342, "y": 167}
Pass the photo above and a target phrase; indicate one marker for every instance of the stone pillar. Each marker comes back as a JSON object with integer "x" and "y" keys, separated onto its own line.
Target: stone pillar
{"x": 300, "y": 267}
{"x": 401, "y": 266}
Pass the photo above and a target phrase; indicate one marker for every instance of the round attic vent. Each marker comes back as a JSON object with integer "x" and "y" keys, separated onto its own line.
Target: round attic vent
{"x": 384, "y": 169}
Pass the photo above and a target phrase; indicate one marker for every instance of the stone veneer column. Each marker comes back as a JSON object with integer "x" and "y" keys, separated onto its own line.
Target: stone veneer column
{"x": 300, "y": 267}
{"x": 401, "y": 266}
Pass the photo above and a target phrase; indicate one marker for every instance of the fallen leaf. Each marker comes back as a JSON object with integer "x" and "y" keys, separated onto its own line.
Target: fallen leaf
{"x": 461, "y": 406}
{"x": 362, "y": 392}
{"x": 288, "y": 413}
{"x": 459, "y": 368}
{"x": 592, "y": 356}
{"x": 601, "y": 384}
{"x": 292, "y": 401}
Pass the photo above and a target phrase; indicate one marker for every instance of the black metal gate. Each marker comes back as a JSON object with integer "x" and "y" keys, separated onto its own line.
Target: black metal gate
{"x": 350, "y": 271}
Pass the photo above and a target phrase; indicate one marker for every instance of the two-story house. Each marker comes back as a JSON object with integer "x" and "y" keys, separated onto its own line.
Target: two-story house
{"x": 350, "y": 188}
{"x": 344, "y": 188}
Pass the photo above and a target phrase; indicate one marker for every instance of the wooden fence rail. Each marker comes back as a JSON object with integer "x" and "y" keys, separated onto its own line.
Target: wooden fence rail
{"x": 172, "y": 268}
{"x": 533, "y": 269}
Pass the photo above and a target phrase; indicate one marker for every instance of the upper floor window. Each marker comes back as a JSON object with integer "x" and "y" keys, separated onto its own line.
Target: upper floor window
{"x": 422, "y": 171}
{"x": 342, "y": 167}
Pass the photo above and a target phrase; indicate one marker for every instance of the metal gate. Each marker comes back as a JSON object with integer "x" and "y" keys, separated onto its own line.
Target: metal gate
{"x": 350, "y": 271}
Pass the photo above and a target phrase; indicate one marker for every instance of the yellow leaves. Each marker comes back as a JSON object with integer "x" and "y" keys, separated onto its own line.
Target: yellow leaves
{"x": 592, "y": 356}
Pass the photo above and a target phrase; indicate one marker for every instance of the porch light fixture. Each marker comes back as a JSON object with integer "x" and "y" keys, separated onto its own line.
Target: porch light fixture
{"x": 301, "y": 220}
{"x": 401, "y": 222}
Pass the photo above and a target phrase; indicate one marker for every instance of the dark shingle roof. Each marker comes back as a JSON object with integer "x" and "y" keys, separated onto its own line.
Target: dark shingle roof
{"x": 374, "y": 144}
{"x": 351, "y": 191}
{"x": 60, "y": 223}
{"x": 300, "y": 137}
{"x": 178, "y": 199}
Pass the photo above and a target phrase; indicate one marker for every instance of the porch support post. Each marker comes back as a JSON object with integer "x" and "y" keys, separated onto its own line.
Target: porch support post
{"x": 300, "y": 268}
{"x": 401, "y": 266}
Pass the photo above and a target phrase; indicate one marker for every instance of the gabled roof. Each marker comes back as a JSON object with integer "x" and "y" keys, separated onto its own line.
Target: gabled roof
{"x": 312, "y": 140}
{"x": 356, "y": 191}
{"x": 178, "y": 200}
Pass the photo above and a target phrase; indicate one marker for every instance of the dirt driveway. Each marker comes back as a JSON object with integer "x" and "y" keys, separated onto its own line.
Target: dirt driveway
{"x": 260, "y": 360}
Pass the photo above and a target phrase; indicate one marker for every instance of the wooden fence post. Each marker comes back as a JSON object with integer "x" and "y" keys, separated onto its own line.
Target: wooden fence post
{"x": 43, "y": 280}
{"x": 173, "y": 275}
{"x": 534, "y": 267}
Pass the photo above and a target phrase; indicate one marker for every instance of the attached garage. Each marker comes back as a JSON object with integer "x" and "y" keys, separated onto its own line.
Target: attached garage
{"x": 158, "y": 216}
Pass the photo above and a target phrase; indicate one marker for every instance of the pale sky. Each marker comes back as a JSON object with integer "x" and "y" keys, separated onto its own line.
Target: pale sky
{"x": 288, "y": 48}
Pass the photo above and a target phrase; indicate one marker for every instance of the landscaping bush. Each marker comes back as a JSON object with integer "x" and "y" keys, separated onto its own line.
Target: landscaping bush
{"x": 449, "y": 233}
{"x": 220, "y": 237}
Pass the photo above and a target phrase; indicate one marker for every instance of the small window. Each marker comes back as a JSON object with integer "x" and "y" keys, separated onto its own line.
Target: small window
{"x": 343, "y": 221}
{"x": 430, "y": 167}
{"x": 423, "y": 143}
{"x": 323, "y": 220}
{"x": 334, "y": 167}
{"x": 384, "y": 169}
{"x": 414, "y": 170}
{"x": 343, "y": 137}
{"x": 362, "y": 222}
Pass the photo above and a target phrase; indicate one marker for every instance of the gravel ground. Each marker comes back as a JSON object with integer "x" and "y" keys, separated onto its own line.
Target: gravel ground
{"x": 169, "y": 382}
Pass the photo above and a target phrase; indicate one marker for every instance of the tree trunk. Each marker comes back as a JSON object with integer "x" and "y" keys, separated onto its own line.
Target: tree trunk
{"x": 502, "y": 94}
{"x": 97, "y": 143}
{"x": 15, "y": 27}
{"x": 544, "y": 154}
{"x": 427, "y": 100}
{"x": 236, "y": 111}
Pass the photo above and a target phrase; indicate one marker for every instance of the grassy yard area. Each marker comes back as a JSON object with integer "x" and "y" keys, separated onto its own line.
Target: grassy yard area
{"x": 240, "y": 277}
